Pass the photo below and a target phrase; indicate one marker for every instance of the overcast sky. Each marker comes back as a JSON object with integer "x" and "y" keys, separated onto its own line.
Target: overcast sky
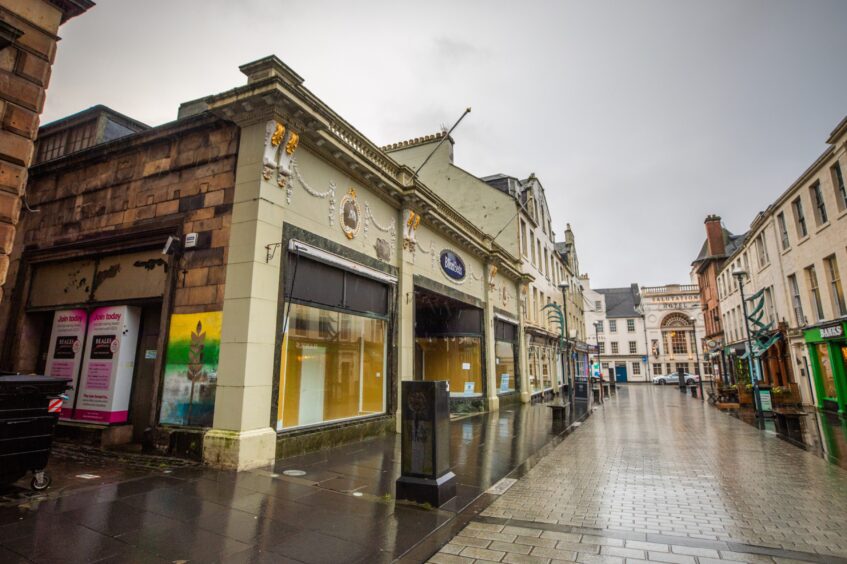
{"x": 639, "y": 117}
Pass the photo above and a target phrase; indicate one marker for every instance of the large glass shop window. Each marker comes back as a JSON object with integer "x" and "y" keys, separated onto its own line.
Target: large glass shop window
{"x": 504, "y": 356}
{"x": 534, "y": 368}
{"x": 827, "y": 376}
{"x": 333, "y": 363}
{"x": 448, "y": 343}
{"x": 455, "y": 359}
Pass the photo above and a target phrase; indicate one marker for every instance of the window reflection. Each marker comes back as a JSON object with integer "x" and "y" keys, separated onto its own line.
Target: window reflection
{"x": 333, "y": 367}
{"x": 455, "y": 359}
{"x": 504, "y": 358}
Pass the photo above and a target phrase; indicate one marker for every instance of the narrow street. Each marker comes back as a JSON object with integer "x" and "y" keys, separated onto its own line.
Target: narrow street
{"x": 663, "y": 477}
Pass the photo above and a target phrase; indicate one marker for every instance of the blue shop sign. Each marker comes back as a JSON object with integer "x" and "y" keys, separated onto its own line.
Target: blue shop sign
{"x": 452, "y": 265}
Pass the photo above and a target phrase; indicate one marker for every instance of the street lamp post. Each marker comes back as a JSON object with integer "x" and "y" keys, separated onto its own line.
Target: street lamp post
{"x": 740, "y": 274}
{"x": 597, "y": 338}
{"x": 697, "y": 355}
{"x": 567, "y": 362}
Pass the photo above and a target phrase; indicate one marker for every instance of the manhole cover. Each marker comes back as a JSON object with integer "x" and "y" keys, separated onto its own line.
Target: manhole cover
{"x": 294, "y": 473}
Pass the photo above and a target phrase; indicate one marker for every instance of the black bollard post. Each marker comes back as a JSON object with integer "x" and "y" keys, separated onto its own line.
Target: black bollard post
{"x": 425, "y": 444}
{"x": 681, "y": 374}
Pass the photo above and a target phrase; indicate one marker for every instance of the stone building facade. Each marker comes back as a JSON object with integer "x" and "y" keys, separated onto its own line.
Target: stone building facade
{"x": 92, "y": 240}
{"x": 253, "y": 280}
{"x": 28, "y": 42}
{"x": 674, "y": 330}
{"x": 795, "y": 254}
{"x": 516, "y": 214}
{"x": 719, "y": 244}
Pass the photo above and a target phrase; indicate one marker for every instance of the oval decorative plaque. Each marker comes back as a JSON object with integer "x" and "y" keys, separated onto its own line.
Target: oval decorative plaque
{"x": 452, "y": 265}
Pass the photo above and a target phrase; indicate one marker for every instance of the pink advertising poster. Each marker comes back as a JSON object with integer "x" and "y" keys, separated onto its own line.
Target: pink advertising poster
{"x": 65, "y": 352}
{"x": 107, "y": 370}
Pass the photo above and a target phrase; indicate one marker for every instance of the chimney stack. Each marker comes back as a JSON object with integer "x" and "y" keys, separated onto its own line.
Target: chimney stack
{"x": 714, "y": 235}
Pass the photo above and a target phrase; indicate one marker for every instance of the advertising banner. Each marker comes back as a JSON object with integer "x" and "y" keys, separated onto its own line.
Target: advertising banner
{"x": 191, "y": 369}
{"x": 107, "y": 370}
{"x": 65, "y": 352}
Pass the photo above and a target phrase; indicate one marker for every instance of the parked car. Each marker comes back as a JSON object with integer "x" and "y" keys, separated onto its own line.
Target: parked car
{"x": 673, "y": 378}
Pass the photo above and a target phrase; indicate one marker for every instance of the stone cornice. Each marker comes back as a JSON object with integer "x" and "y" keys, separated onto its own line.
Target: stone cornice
{"x": 72, "y": 8}
{"x": 275, "y": 91}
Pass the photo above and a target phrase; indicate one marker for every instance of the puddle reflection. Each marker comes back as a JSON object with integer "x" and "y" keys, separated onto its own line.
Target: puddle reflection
{"x": 822, "y": 433}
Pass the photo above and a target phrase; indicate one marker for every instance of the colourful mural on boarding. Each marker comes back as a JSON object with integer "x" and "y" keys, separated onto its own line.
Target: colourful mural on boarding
{"x": 191, "y": 369}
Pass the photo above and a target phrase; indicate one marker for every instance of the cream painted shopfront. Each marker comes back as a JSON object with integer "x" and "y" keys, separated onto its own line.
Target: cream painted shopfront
{"x": 345, "y": 276}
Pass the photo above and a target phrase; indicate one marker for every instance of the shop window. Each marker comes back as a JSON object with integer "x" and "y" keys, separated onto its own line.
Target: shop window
{"x": 827, "y": 376}
{"x": 546, "y": 372}
{"x": 504, "y": 356}
{"x": 333, "y": 367}
{"x": 605, "y": 366}
{"x": 636, "y": 368}
{"x": 455, "y": 359}
{"x": 534, "y": 368}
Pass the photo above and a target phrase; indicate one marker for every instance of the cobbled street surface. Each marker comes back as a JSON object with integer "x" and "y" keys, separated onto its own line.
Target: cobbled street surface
{"x": 657, "y": 476}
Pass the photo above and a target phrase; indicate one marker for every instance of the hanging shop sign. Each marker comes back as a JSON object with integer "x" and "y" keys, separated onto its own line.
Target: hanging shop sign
{"x": 65, "y": 353}
{"x": 106, "y": 379}
{"x": 452, "y": 265}
{"x": 832, "y": 332}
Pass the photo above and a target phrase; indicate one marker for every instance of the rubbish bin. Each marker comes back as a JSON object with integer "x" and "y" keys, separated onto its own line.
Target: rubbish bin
{"x": 29, "y": 408}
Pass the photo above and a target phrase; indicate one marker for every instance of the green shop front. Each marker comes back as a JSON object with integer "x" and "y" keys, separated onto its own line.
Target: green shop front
{"x": 828, "y": 355}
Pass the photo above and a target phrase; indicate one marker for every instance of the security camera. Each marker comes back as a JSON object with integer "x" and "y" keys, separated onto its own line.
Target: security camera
{"x": 171, "y": 246}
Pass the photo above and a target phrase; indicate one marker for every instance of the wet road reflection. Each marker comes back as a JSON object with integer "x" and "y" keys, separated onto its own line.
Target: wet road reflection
{"x": 337, "y": 506}
{"x": 664, "y": 464}
{"x": 822, "y": 433}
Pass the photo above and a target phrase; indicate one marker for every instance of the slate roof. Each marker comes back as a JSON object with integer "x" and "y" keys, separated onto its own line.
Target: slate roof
{"x": 621, "y": 302}
{"x": 731, "y": 241}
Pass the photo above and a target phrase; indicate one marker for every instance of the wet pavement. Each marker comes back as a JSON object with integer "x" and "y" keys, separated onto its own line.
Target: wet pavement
{"x": 821, "y": 433}
{"x": 665, "y": 478}
{"x": 336, "y": 506}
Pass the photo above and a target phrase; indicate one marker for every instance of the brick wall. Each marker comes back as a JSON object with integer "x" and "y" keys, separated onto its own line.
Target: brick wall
{"x": 24, "y": 75}
{"x": 180, "y": 175}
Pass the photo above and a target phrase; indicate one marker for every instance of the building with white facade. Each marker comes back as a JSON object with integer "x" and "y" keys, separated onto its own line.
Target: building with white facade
{"x": 614, "y": 323}
{"x": 674, "y": 328}
{"x": 515, "y": 214}
{"x": 796, "y": 255}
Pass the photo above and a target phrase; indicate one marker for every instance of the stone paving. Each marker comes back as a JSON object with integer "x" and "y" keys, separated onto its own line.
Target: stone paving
{"x": 658, "y": 476}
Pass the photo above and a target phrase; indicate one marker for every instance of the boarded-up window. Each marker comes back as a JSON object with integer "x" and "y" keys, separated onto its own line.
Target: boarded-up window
{"x": 112, "y": 278}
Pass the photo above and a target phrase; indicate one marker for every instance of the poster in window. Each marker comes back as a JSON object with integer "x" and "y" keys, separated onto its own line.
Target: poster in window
{"x": 65, "y": 354}
{"x": 191, "y": 369}
{"x": 105, "y": 382}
